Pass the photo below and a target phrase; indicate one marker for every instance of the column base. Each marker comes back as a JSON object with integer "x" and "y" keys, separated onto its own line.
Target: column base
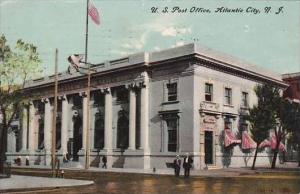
{"x": 130, "y": 149}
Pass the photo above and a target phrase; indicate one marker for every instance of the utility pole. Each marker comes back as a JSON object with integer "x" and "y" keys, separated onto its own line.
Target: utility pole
{"x": 87, "y": 146}
{"x": 53, "y": 146}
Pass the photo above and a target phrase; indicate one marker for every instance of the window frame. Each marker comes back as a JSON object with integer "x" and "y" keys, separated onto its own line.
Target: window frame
{"x": 172, "y": 129}
{"x": 209, "y": 92}
{"x": 245, "y": 101}
{"x": 172, "y": 94}
{"x": 229, "y": 97}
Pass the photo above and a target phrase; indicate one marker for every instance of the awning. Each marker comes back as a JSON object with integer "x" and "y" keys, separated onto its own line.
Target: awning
{"x": 247, "y": 141}
{"x": 230, "y": 138}
{"x": 265, "y": 143}
{"x": 272, "y": 144}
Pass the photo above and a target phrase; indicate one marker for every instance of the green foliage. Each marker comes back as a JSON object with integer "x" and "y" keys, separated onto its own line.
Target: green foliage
{"x": 289, "y": 114}
{"x": 16, "y": 67}
{"x": 259, "y": 128}
{"x": 19, "y": 65}
{"x": 262, "y": 117}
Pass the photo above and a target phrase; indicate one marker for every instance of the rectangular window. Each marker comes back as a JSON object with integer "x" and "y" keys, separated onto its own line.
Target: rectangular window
{"x": 172, "y": 91}
{"x": 208, "y": 92}
{"x": 227, "y": 123}
{"x": 228, "y": 96}
{"x": 172, "y": 134}
{"x": 244, "y": 99}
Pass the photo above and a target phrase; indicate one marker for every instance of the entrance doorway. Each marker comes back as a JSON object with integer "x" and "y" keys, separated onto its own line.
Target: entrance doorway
{"x": 208, "y": 146}
{"x": 77, "y": 137}
{"x": 123, "y": 130}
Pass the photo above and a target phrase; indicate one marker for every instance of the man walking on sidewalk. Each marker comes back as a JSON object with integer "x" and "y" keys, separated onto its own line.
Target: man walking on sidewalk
{"x": 177, "y": 164}
{"x": 187, "y": 164}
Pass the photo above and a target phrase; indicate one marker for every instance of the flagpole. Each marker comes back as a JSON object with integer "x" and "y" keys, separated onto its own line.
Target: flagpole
{"x": 53, "y": 146}
{"x": 87, "y": 147}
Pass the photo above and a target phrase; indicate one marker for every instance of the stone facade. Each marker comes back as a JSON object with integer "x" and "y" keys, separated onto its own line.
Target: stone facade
{"x": 145, "y": 109}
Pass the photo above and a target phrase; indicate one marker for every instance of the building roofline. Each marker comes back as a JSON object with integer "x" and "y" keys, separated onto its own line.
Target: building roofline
{"x": 158, "y": 57}
{"x": 290, "y": 75}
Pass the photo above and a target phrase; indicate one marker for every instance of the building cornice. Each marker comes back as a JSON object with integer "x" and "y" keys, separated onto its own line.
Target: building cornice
{"x": 191, "y": 53}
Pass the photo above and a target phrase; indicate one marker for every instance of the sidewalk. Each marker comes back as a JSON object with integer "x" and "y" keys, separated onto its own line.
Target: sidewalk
{"x": 221, "y": 172}
{"x": 17, "y": 183}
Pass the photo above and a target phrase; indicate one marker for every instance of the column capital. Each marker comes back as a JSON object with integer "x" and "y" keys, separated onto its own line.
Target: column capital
{"x": 45, "y": 100}
{"x": 132, "y": 86}
{"x": 105, "y": 90}
{"x": 63, "y": 97}
{"x": 30, "y": 103}
{"x": 83, "y": 94}
{"x": 144, "y": 75}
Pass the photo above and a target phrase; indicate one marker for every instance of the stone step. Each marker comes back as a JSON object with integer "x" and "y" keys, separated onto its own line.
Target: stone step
{"x": 119, "y": 163}
{"x": 72, "y": 164}
{"x": 210, "y": 167}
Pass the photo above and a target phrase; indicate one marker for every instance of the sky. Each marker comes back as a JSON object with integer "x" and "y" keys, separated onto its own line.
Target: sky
{"x": 268, "y": 40}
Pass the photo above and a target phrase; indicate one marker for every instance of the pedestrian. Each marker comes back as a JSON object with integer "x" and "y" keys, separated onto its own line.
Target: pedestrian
{"x": 65, "y": 158}
{"x": 187, "y": 164}
{"x": 177, "y": 164}
{"x": 18, "y": 161}
{"x": 104, "y": 160}
{"x": 27, "y": 160}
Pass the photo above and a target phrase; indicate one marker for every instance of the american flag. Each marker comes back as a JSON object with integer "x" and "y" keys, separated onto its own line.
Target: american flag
{"x": 93, "y": 13}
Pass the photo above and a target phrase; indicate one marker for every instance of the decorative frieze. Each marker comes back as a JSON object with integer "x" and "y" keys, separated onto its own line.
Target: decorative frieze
{"x": 209, "y": 107}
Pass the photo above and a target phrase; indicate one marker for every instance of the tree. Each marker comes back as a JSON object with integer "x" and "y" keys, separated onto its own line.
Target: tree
{"x": 16, "y": 67}
{"x": 294, "y": 139}
{"x": 261, "y": 116}
{"x": 288, "y": 117}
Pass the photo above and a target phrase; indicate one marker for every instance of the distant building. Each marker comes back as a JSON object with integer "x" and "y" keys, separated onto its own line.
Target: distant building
{"x": 293, "y": 93}
{"x": 145, "y": 109}
{"x": 293, "y": 80}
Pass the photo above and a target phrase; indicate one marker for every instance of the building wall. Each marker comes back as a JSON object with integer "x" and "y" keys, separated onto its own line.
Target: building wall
{"x": 190, "y": 69}
{"x": 159, "y": 105}
{"x": 293, "y": 91}
{"x": 220, "y": 80}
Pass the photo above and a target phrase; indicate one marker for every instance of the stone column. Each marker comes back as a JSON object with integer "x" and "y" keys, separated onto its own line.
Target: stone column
{"x": 108, "y": 121}
{"x": 93, "y": 111}
{"x": 132, "y": 118}
{"x": 145, "y": 113}
{"x": 70, "y": 118}
{"x": 47, "y": 130}
{"x": 24, "y": 128}
{"x": 64, "y": 124}
{"x": 145, "y": 119}
{"x": 32, "y": 127}
{"x": 85, "y": 107}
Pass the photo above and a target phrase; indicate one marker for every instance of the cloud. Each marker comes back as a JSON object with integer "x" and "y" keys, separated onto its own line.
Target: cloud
{"x": 7, "y": 2}
{"x": 172, "y": 31}
{"x": 178, "y": 43}
{"x": 167, "y": 26}
{"x": 119, "y": 52}
{"x": 156, "y": 48}
{"x": 136, "y": 44}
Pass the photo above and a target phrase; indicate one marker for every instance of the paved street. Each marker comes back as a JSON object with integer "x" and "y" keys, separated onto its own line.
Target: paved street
{"x": 17, "y": 182}
{"x": 111, "y": 182}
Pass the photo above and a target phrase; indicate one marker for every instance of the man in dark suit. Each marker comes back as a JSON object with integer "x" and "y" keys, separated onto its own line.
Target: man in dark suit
{"x": 104, "y": 160}
{"x": 187, "y": 165}
{"x": 177, "y": 164}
